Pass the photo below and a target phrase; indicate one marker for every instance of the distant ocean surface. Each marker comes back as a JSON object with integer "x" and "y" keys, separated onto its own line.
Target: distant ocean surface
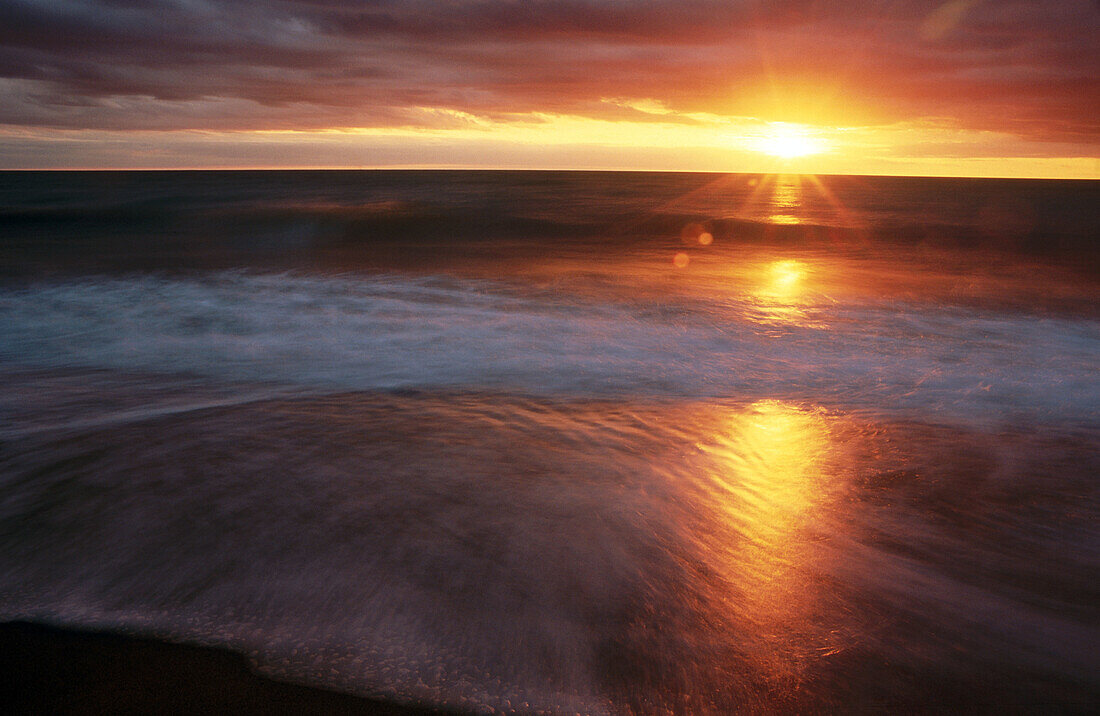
{"x": 564, "y": 442}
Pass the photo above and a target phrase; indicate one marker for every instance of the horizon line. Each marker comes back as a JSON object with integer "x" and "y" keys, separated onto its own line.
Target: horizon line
{"x": 444, "y": 167}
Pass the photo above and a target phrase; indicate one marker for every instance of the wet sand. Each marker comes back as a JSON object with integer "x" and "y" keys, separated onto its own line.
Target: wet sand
{"x": 63, "y": 671}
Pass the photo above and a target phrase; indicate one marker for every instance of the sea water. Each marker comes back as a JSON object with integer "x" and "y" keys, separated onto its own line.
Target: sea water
{"x": 563, "y": 442}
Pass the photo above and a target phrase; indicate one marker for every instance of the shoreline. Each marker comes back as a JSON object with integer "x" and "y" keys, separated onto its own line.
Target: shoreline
{"x": 50, "y": 669}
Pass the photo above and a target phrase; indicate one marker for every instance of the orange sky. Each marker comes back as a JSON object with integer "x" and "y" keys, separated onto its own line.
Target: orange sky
{"x": 964, "y": 87}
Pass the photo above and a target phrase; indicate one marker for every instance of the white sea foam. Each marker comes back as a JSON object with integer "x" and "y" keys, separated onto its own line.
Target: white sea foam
{"x": 389, "y": 331}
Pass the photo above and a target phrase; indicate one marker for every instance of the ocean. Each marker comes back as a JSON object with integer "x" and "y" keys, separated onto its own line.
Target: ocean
{"x": 564, "y": 442}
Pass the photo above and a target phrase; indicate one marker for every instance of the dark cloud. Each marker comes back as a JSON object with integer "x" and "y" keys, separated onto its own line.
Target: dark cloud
{"x": 1031, "y": 68}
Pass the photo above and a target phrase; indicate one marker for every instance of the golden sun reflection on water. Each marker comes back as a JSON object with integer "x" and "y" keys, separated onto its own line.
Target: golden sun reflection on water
{"x": 770, "y": 456}
{"x": 786, "y": 200}
{"x": 779, "y": 292}
{"x": 784, "y": 277}
{"x": 787, "y": 192}
{"x": 769, "y": 489}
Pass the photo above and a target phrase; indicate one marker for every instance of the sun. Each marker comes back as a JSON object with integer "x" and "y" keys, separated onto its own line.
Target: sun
{"x": 787, "y": 141}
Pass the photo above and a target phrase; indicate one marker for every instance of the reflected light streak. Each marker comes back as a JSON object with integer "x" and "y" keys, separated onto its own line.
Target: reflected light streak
{"x": 788, "y": 192}
{"x": 771, "y": 452}
{"x": 775, "y": 472}
{"x": 786, "y": 199}
{"x": 785, "y": 277}
{"x": 778, "y": 292}
{"x": 792, "y": 199}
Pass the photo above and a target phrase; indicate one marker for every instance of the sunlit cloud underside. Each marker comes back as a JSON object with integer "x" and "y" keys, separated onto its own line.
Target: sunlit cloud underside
{"x": 958, "y": 87}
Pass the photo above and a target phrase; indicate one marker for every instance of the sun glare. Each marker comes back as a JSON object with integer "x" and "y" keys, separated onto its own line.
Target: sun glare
{"x": 785, "y": 275}
{"x": 788, "y": 141}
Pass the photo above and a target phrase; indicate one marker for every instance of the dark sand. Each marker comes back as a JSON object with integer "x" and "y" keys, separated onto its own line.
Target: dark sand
{"x": 61, "y": 671}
